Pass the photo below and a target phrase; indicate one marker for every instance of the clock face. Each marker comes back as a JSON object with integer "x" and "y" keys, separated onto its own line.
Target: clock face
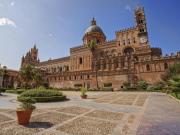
{"x": 143, "y": 39}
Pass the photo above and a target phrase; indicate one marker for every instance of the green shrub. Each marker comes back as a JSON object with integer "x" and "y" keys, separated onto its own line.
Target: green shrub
{"x": 47, "y": 99}
{"x": 83, "y": 91}
{"x": 3, "y": 89}
{"x": 107, "y": 89}
{"x": 174, "y": 83}
{"x": 176, "y": 95}
{"x": 27, "y": 103}
{"x": 41, "y": 88}
{"x": 18, "y": 91}
{"x": 107, "y": 84}
{"x": 93, "y": 89}
{"x": 159, "y": 86}
{"x": 126, "y": 85}
{"x": 43, "y": 95}
{"x": 142, "y": 85}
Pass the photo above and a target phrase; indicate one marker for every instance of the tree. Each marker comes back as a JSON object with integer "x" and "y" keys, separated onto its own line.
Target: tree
{"x": 3, "y": 73}
{"x": 30, "y": 76}
{"x": 92, "y": 46}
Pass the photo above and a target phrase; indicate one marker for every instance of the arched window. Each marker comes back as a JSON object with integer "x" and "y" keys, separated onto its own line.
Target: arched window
{"x": 129, "y": 41}
{"x": 104, "y": 65}
{"x": 147, "y": 67}
{"x": 80, "y": 60}
{"x": 134, "y": 40}
{"x": 128, "y": 50}
{"x": 165, "y": 66}
{"x": 98, "y": 41}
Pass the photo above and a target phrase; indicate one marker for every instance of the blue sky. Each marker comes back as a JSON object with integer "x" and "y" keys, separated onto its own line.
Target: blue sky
{"x": 57, "y": 25}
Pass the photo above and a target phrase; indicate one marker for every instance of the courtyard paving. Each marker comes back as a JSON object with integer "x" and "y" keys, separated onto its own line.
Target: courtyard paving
{"x": 103, "y": 113}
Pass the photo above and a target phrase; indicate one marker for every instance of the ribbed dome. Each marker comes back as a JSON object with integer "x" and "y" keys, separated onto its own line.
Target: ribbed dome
{"x": 93, "y": 28}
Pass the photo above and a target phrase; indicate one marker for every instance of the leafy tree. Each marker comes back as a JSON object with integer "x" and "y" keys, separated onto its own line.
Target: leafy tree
{"x": 92, "y": 46}
{"x": 3, "y": 73}
{"x": 30, "y": 76}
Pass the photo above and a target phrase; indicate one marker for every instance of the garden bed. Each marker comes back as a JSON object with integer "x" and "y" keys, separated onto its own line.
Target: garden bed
{"x": 43, "y": 95}
{"x": 13, "y": 91}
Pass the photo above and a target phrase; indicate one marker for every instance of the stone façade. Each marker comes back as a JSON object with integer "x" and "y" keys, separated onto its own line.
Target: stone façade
{"x": 127, "y": 58}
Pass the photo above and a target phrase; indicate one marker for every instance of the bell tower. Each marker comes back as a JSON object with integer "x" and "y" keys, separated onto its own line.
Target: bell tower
{"x": 141, "y": 24}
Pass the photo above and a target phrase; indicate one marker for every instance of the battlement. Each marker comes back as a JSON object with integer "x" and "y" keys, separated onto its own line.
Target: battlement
{"x": 126, "y": 30}
{"x": 167, "y": 56}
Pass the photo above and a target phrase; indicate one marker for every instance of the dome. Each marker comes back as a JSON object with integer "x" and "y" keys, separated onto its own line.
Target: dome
{"x": 94, "y": 28}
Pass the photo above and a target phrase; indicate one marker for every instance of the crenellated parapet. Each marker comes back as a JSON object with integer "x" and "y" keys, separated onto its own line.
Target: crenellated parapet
{"x": 126, "y": 30}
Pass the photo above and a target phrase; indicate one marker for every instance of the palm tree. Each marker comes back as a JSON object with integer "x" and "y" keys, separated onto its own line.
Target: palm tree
{"x": 92, "y": 46}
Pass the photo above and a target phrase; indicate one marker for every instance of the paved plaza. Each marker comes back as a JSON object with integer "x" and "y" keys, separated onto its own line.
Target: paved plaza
{"x": 103, "y": 113}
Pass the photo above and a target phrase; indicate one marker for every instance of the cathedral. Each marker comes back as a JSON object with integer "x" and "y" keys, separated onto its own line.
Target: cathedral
{"x": 127, "y": 58}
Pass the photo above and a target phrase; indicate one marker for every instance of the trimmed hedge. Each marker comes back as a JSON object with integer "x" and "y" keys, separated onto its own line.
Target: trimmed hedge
{"x": 16, "y": 91}
{"x": 107, "y": 89}
{"x": 3, "y": 89}
{"x": 46, "y": 99}
{"x": 43, "y": 95}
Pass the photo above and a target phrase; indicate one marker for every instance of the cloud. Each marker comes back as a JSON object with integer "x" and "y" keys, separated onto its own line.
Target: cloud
{"x": 12, "y": 3}
{"x": 7, "y": 22}
{"x": 128, "y": 8}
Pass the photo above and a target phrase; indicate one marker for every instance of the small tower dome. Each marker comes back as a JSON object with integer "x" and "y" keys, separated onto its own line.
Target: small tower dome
{"x": 94, "y": 32}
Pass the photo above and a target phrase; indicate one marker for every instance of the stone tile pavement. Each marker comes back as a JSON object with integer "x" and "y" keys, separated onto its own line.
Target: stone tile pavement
{"x": 103, "y": 113}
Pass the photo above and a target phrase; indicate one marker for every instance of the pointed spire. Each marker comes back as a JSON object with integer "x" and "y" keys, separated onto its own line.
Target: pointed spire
{"x": 139, "y": 8}
{"x": 34, "y": 46}
{"x": 93, "y": 22}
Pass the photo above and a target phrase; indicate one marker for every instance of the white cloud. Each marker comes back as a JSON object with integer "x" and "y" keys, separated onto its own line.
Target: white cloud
{"x": 128, "y": 8}
{"x": 12, "y": 3}
{"x": 6, "y": 21}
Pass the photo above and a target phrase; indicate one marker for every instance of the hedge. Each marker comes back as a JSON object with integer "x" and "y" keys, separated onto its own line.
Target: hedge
{"x": 3, "y": 89}
{"x": 43, "y": 95}
{"x": 16, "y": 91}
{"x": 107, "y": 89}
{"x": 46, "y": 99}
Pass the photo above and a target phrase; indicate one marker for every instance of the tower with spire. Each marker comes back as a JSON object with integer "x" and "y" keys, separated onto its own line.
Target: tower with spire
{"x": 141, "y": 24}
{"x": 31, "y": 57}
